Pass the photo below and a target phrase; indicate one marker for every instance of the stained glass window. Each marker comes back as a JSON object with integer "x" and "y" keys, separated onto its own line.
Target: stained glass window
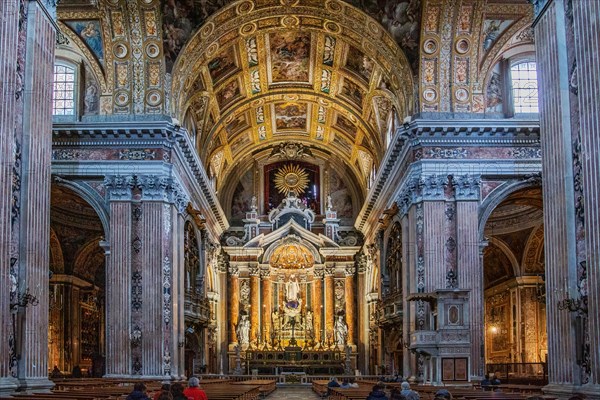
{"x": 525, "y": 87}
{"x": 63, "y": 99}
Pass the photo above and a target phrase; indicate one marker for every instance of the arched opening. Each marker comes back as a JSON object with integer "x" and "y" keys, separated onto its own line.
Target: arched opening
{"x": 514, "y": 284}
{"x": 77, "y": 286}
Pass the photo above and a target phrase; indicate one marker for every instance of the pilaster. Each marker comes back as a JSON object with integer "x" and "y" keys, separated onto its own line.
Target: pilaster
{"x": 254, "y": 302}
{"x": 560, "y": 242}
{"x": 350, "y": 298}
{"x": 318, "y": 303}
{"x": 234, "y": 302}
{"x": 31, "y": 180}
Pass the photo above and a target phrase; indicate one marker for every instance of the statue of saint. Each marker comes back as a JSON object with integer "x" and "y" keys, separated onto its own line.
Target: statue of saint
{"x": 341, "y": 331}
{"x": 292, "y": 288}
{"x": 243, "y": 330}
{"x": 309, "y": 321}
{"x": 275, "y": 321}
{"x": 329, "y": 203}
{"x": 253, "y": 203}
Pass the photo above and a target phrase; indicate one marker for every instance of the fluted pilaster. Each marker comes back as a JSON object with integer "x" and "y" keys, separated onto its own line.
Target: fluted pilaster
{"x": 8, "y": 53}
{"x": 470, "y": 275}
{"x": 586, "y": 16}
{"x": 559, "y": 213}
{"x": 35, "y": 147}
{"x": 434, "y": 244}
{"x": 118, "y": 292}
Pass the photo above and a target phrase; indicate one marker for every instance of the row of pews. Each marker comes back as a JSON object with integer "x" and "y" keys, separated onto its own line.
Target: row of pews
{"x": 111, "y": 389}
{"x": 503, "y": 392}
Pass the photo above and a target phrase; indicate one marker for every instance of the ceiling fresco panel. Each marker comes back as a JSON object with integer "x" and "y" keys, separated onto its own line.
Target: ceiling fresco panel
{"x": 290, "y": 57}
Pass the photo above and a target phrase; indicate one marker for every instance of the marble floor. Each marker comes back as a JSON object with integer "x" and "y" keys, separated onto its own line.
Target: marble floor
{"x": 293, "y": 393}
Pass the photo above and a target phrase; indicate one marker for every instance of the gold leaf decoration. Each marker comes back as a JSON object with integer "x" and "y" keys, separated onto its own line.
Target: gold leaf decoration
{"x": 291, "y": 178}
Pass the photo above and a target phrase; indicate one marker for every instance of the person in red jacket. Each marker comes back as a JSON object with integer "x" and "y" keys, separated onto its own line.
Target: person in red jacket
{"x": 193, "y": 391}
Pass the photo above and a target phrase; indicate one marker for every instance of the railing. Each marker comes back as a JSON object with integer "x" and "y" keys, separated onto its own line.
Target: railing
{"x": 520, "y": 373}
{"x": 293, "y": 378}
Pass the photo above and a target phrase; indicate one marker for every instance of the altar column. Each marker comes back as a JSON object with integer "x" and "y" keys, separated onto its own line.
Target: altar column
{"x": 254, "y": 301}
{"x": 350, "y": 309}
{"x": 329, "y": 301}
{"x": 318, "y": 303}
{"x": 234, "y": 301}
{"x": 265, "y": 275}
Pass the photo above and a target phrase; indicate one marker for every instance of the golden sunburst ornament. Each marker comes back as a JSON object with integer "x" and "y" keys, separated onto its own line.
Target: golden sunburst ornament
{"x": 291, "y": 178}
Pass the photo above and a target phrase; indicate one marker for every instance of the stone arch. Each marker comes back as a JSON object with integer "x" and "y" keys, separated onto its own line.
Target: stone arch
{"x": 87, "y": 193}
{"x": 497, "y": 196}
{"x": 57, "y": 262}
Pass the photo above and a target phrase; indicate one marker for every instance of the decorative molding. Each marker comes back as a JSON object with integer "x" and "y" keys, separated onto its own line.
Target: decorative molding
{"x": 136, "y": 244}
{"x": 466, "y": 187}
{"x": 136, "y": 291}
{"x": 167, "y": 290}
{"x": 137, "y": 154}
{"x": 526, "y": 152}
{"x": 433, "y": 187}
{"x": 118, "y": 187}
{"x": 290, "y": 151}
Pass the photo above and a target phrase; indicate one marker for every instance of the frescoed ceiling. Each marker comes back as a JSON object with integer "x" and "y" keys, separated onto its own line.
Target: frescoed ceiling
{"x": 257, "y": 76}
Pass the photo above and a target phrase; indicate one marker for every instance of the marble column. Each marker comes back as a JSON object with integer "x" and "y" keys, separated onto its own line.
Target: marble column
{"x": 234, "y": 302}
{"x": 254, "y": 302}
{"x": 586, "y": 16}
{"x": 31, "y": 184}
{"x": 329, "y": 302}
{"x": 469, "y": 269}
{"x": 318, "y": 303}
{"x": 8, "y": 77}
{"x": 350, "y": 299}
{"x": 118, "y": 277}
{"x": 265, "y": 275}
{"x": 560, "y": 241}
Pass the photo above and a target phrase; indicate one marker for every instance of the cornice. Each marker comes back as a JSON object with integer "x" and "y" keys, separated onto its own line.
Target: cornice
{"x": 139, "y": 131}
{"x": 442, "y": 130}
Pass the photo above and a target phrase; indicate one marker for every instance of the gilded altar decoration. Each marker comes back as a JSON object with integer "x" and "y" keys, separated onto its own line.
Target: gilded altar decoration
{"x": 292, "y": 255}
{"x": 291, "y": 178}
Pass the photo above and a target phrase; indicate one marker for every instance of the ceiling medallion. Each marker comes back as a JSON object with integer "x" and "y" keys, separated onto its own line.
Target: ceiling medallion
{"x": 291, "y": 179}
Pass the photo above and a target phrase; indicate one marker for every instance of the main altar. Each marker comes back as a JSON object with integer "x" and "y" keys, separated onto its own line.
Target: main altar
{"x": 292, "y": 293}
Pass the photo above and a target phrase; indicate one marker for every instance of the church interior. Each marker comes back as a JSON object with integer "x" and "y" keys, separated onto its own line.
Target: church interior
{"x": 296, "y": 189}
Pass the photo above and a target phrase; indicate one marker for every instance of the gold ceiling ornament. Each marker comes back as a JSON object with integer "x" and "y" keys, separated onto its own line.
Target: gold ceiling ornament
{"x": 291, "y": 178}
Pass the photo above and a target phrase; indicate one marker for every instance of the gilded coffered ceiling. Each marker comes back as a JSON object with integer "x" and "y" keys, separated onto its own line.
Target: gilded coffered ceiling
{"x": 261, "y": 73}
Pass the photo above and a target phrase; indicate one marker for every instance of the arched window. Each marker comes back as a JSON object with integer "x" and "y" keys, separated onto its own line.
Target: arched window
{"x": 64, "y": 94}
{"x": 523, "y": 77}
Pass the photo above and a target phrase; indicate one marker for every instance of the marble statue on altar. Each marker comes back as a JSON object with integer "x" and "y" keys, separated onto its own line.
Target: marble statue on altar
{"x": 243, "y": 330}
{"x": 341, "y": 331}
{"x": 292, "y": 288}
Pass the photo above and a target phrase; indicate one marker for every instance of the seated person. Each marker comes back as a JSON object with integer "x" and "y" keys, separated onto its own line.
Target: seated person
{"x": 139, "y": 392}
{"x": 495, "y": 380}
{"x": 396, "y": 394}
{"x": 485, "y": 384}
{"x": 345, "y": 384}
{"x": 377, "y": 393}
{"x": 443, "y": 394}
{"x": 353, "y": 383}
{"x": 333, "y": 383}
